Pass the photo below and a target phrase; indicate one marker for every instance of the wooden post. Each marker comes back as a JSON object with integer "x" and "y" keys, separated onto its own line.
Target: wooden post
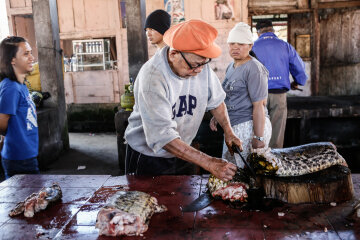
{"x": 289, "y": 35}
{"x": 50, "y": 63}
{"x": 121, "y": 122}
{"x": 315, "y": 64}
{"x": 120, "y": 78}
{"x": 136, "y": 37}
{"x": 244, "y": 12}
{"x": 10, "y": 18}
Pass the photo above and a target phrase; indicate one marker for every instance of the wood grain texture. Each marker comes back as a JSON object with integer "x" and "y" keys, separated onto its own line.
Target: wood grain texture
{"x": 17, "y": 3}
{"x": 339, "y": 53}
{"x": 92, "y": 87}
{"x": 331, "y": 185}
{"x": 66, "y": 16}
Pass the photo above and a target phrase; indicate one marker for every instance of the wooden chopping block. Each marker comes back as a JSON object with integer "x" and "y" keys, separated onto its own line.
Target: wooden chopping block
{"x": 333, "y": 184}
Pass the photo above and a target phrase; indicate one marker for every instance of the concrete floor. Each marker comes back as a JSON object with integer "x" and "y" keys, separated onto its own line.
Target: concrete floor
{"x": 93, "y": 154}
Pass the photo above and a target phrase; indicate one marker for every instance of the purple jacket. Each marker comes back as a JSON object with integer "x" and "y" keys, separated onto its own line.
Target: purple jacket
{"x": 280, "y": 59}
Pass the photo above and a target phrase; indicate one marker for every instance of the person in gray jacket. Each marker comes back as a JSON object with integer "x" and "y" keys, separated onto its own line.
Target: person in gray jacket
{"x": 172, "y": 92}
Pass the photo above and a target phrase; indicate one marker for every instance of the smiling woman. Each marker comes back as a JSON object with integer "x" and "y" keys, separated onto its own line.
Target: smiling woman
{"x": 18, "y": 119}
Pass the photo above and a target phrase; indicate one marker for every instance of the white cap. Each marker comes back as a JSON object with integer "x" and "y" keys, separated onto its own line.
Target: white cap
{"x": 240, "y": 34}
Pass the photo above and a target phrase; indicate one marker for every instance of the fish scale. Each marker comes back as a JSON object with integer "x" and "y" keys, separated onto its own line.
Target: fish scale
{"x": 296, "y": 161}
{"x": 135, "y": 202}
{"x": 127, "y": 213}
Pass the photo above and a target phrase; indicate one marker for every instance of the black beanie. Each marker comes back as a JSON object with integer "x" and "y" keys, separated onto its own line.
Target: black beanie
{"x": 158, "y": 20}
{"x": 263, "y": 23}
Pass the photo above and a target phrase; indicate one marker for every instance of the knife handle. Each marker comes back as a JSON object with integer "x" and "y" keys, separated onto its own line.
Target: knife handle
{"x": 235, "y": 149}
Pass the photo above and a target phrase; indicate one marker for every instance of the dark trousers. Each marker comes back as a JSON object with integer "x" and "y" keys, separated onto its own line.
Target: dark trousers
{"x": 140, "y": 164}
{"x": 27, "y": 166}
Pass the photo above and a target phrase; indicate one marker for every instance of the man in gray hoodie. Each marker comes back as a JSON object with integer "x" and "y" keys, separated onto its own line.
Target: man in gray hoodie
{"x": 173, "y": 90}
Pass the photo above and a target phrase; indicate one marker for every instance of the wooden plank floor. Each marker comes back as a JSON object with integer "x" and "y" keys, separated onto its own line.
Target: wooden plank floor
{"x": 83, "y": 195}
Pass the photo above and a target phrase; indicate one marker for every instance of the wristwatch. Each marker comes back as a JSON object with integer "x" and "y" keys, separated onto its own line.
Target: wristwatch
{"x": 259, "y": 138}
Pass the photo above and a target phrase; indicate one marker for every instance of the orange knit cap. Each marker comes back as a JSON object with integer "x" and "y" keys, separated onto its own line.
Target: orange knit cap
{"x": 193, "y": 36}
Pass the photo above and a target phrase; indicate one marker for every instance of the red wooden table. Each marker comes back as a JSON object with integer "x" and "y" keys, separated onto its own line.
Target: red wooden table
{"x": 83, "y": 195}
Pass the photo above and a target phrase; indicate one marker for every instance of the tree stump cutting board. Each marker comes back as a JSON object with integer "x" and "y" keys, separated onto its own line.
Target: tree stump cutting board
{"x": 333, "y": 184}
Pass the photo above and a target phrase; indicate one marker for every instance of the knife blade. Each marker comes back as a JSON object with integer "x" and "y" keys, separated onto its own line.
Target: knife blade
{"x": 236, "y": 149}
{"x": 201, "y": 202}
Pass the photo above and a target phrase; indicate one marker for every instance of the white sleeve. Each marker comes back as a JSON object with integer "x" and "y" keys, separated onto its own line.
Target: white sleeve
{"x": 156, "y": 113}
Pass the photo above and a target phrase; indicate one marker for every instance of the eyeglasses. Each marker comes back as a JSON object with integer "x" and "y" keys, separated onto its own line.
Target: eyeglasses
{"x": 197, "y": 66}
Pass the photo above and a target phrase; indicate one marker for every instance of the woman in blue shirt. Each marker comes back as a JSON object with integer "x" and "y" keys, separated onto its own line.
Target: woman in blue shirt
{"x": 18, "y": 120}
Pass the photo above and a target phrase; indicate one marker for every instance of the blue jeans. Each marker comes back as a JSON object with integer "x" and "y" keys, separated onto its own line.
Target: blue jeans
{"x": 27, "y": 166}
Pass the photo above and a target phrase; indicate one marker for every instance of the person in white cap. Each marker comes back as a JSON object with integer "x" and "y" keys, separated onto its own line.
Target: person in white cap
{"x": 245, "y": 85}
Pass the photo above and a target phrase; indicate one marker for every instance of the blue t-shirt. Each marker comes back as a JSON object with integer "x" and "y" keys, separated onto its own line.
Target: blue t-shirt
{"x": 21, "y": 139}
{"x": 280, "y": 59}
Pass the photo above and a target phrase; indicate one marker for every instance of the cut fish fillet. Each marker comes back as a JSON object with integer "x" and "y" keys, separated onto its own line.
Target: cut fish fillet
{"x": 127, "y": 213}
{"x": 37, "y": 201}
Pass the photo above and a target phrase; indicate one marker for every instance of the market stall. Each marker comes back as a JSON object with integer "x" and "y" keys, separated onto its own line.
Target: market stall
{"x": 83, "y": 195}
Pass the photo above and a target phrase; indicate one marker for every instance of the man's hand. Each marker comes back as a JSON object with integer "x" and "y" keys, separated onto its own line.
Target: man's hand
{"x": 231, "y": 140}
{"x": 222, "y": 169}
{"x": 295, "y": 86}
{"x": 255, "y": 143}
{"x": 213, "y": 124}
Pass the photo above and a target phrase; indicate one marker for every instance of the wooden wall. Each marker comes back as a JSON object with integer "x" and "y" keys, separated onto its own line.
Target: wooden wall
{"x": 204, "y": 9}
{"x": 340, "y": 52}
{"x": 87, "y": 18}
{"x": 20, "y": 3}
{"x": 17, "y": 7}
{"x": 84, "y": 19}
{"x": 300, "y": 24}
{"x": 259, "y": 7}
{"x": 92, "y": 87}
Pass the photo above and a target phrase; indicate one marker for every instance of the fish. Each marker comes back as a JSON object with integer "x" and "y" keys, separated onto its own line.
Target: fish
{"x": 295, "y": 161}
{"x": 286, "y": 162}
{"x": 234, "y": 190}
{"x": 127, "y": 213}
{"x": 37, "y": 201}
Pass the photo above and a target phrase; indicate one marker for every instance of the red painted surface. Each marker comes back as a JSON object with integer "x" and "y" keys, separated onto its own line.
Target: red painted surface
{"x": 83, "y": 195}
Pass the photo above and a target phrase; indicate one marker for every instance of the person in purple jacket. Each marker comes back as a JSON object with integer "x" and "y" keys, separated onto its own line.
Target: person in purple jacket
{"x": 281, "y": 60}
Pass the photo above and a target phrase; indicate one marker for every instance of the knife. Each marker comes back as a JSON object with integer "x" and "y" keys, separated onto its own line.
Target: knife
{"x": 237, "y": 150}
{"x": 201, "y": 202}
